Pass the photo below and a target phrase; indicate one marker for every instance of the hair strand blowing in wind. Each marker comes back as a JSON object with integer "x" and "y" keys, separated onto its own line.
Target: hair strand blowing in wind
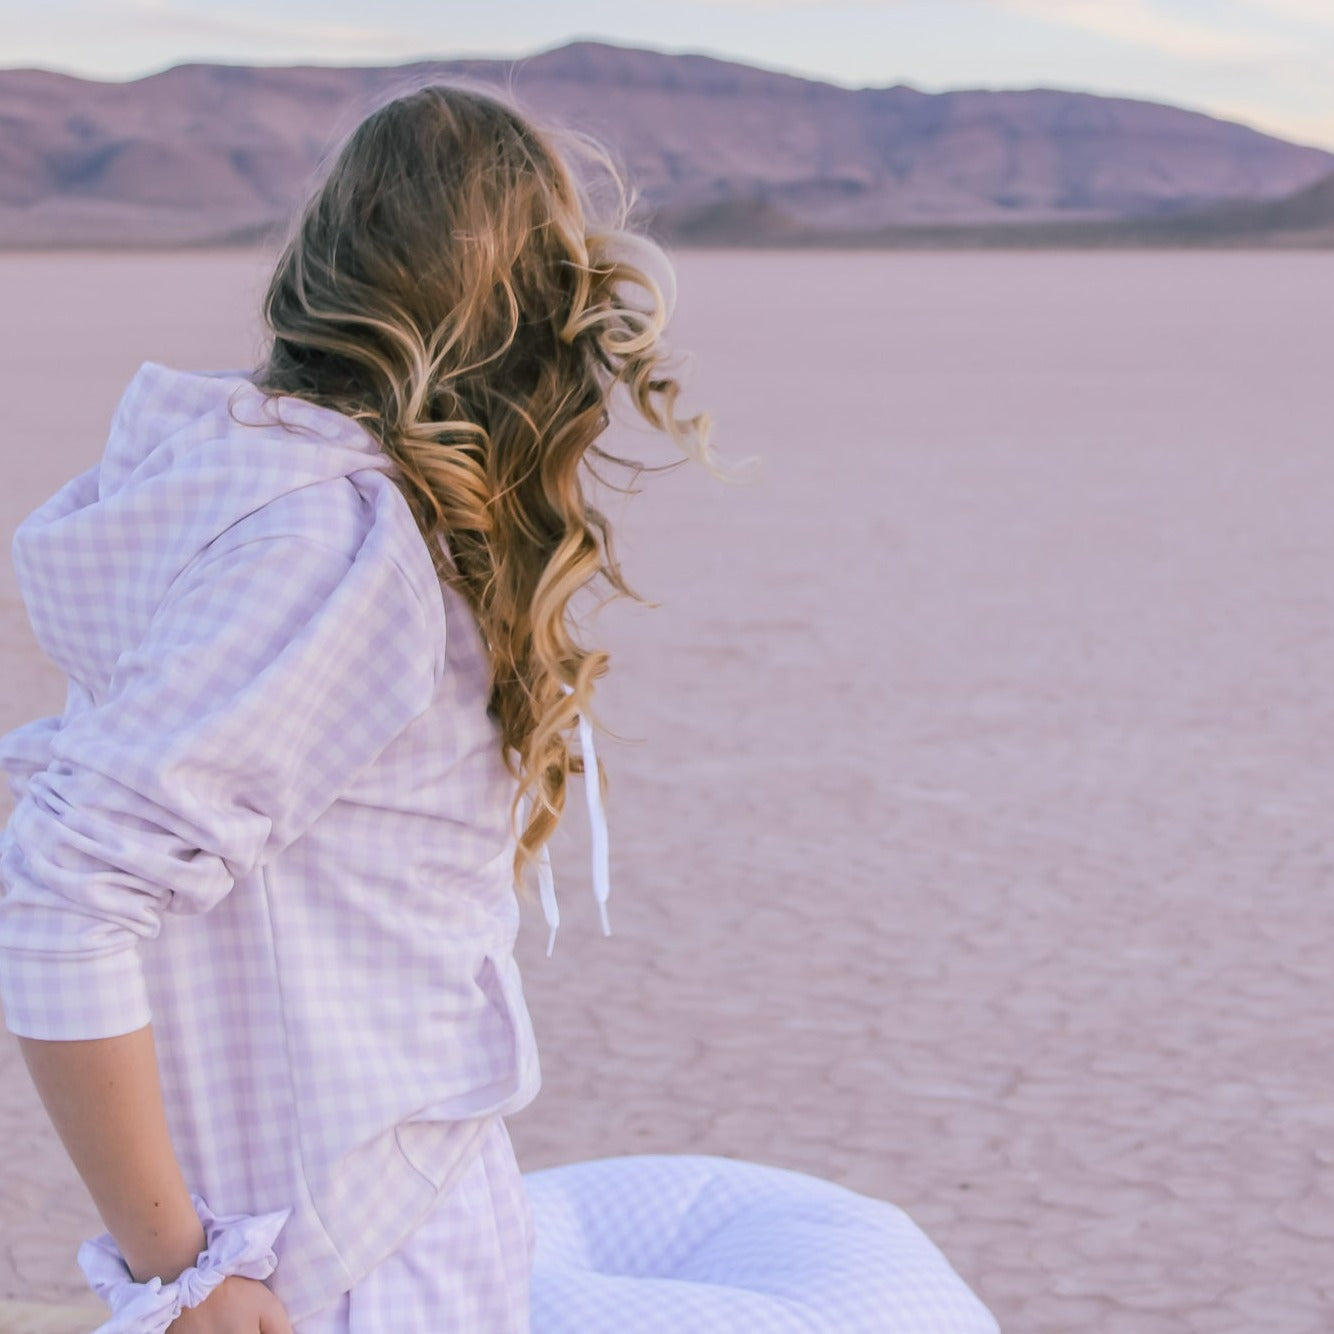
{"x": 449, "y": 285}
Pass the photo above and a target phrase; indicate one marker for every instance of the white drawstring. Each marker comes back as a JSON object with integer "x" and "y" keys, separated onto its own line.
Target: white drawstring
{"x": 597, "y": 822}
{"x": 547, "y": 887}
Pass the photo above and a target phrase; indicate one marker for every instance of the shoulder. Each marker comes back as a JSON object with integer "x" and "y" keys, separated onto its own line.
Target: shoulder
{"x": 335, "y": 512}
{"x": 356, "y": 521}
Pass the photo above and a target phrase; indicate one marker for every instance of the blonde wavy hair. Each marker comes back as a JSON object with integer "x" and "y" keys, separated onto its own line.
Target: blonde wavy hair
{"x": 449, "y": 284}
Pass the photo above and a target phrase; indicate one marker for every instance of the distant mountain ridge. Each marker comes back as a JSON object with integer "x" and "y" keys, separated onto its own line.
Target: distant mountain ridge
{"x": 723, "y": 153}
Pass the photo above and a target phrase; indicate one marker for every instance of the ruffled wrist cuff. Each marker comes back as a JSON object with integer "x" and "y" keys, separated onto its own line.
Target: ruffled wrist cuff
{"x": 235, "y": 1244}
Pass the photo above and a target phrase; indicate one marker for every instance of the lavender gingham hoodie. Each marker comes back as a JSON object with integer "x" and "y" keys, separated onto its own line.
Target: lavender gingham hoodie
{"x": 273, "y": 819}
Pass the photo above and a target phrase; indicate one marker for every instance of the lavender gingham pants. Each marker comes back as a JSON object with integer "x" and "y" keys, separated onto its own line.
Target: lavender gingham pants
{"x": 466, "y": 1270}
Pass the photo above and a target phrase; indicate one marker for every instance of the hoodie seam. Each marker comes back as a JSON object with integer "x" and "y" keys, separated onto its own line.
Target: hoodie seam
{"x": 417, "y": 597}
{"x": 290, "y": 537}
{"x": 297, "y": 1118}
{"x": 195, "y": 564}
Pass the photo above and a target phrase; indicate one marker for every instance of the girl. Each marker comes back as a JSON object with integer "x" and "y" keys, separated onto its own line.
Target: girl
{"x": 257, "y": 933}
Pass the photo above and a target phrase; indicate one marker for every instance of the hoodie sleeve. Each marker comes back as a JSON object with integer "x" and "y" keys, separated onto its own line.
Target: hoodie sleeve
{"x": 270, "y": 674}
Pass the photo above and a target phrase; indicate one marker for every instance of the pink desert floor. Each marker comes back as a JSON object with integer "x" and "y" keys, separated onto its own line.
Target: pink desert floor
{"x": 971, "y": 830}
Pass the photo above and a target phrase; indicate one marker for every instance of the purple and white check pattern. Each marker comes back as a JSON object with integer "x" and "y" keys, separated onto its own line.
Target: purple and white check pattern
{"x": 273, "y": 819}
{"x": 661, "y": 1243}
{"x": 468, "y": 1267}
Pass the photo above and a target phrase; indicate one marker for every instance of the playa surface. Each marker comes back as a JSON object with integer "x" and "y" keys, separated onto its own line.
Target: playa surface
{"x": 971, "y": 837}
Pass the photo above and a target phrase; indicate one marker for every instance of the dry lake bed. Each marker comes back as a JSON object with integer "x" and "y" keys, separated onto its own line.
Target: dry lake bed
{"x": 972, "y": 820}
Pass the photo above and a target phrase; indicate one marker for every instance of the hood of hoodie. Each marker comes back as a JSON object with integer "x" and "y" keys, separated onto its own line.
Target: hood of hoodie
{"x": 189, "y": 454}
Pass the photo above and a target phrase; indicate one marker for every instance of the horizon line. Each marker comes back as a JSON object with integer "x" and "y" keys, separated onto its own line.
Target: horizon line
{"x": 716, "y": 56}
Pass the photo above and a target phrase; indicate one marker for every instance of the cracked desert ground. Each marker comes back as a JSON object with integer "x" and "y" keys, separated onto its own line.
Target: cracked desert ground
{"x": 972, "y": 824}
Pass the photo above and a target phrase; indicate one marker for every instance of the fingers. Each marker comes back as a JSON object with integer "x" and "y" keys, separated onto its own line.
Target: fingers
{"x": 273, "y": 1318}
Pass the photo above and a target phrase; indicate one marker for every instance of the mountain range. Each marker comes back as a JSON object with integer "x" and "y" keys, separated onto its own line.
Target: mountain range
{"x": 722, "y": 154}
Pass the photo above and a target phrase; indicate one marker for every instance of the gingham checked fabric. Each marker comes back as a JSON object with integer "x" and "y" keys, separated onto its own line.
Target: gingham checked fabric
{"x": 468, "y": 1267}
{"x": 661, "y": 1243}
{"x": 273, "y": 819}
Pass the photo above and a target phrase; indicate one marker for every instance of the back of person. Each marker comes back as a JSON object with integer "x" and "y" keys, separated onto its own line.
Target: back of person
{"x": 336, "y": 1006}
{"x": 257, "y": 935}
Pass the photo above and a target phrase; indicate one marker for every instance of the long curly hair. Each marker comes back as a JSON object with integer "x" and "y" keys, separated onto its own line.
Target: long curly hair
{"x": 449, "y": 284}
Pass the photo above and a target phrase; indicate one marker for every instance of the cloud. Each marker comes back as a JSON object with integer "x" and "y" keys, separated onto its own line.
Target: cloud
{"x": 1318, "y": 13}
{"x": 1313, "y": 128}
{"x": 165, "y": 19}
{"x": 805, "y": 4}
{"x": 1140, "y": 23}
{"x": 1143, "y": 23}
{"x": 161, "y": 24}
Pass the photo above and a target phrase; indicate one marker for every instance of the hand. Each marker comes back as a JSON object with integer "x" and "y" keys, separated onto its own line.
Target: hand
{"x": 236, "y": 1306}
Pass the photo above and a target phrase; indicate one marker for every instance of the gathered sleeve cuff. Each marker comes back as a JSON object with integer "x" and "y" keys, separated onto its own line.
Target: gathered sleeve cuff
{"x": 272, "y": 672}
{"x": 239, "y": 1245}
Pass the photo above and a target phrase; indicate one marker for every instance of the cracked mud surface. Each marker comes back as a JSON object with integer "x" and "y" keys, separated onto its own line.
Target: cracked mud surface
{"x": 974, "y": 845}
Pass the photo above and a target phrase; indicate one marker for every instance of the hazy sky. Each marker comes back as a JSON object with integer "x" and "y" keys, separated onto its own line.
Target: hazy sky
{"x": 1269, "y": 63}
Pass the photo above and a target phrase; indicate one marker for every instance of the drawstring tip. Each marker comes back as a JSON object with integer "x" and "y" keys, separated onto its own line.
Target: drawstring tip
{"x": 606, "y": 925}
{"x": 551, "y": 942}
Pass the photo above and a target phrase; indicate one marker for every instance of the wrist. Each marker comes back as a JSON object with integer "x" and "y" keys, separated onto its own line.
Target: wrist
{"x": 236, "y": 1244}
{"x": 173, "y": 1247}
